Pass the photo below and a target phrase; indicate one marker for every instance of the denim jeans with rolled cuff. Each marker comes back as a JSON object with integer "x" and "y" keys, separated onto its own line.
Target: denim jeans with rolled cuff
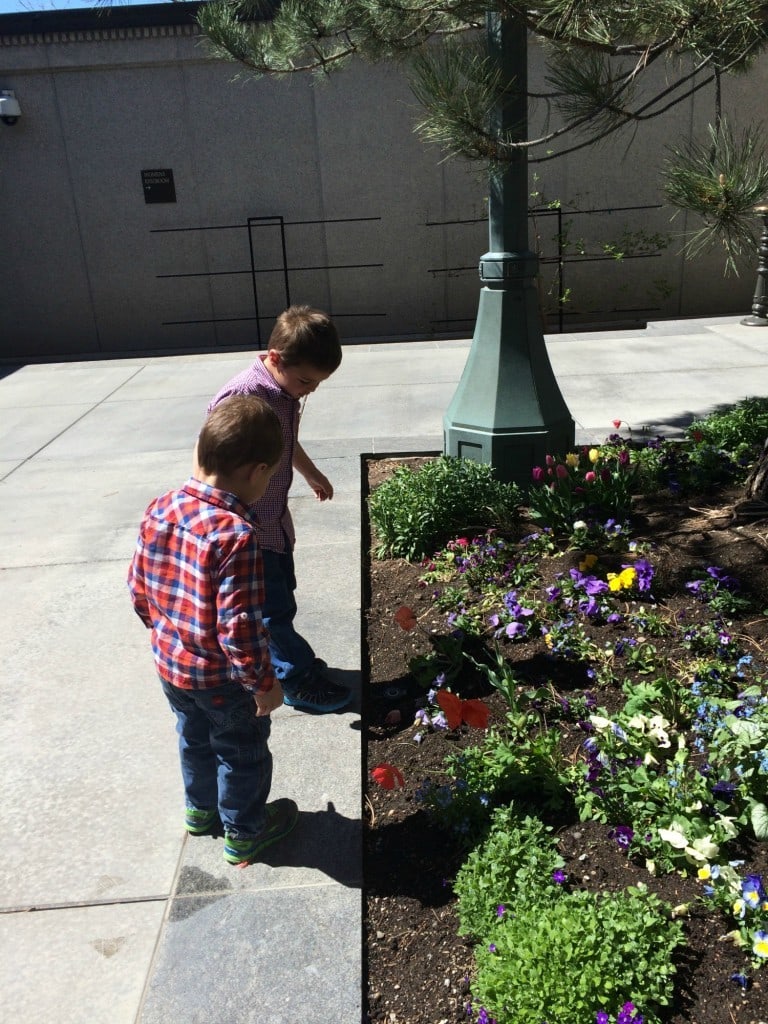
{"x": 224, "y": 754}
{"x": 292, "y": 656}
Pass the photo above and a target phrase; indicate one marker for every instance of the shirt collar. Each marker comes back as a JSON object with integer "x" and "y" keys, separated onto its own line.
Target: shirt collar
{"x": 216, "y": 496}
{"x": 270, "y": 381}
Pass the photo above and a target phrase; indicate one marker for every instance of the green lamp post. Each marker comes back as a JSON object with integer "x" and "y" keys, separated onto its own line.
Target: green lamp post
{"x": 508, "y": 410}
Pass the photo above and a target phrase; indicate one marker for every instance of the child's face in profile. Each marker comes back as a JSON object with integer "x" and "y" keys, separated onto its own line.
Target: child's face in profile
{"x": 299, "y": 380}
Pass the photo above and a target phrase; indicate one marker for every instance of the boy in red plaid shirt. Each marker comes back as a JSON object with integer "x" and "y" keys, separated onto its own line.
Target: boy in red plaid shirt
{"x": 197, "y": 581}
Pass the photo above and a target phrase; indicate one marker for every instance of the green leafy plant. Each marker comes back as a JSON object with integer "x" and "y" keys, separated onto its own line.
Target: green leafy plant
{"x": 736, "y": 428}
{"x": 414, "y": 512}
{"x": 692, "y": 467}
{"x": 570, "y": 958}
{"x": 515, "y": 864}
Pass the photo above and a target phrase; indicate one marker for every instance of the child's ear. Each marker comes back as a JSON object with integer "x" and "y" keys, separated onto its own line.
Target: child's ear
{"x": 257, "y": 470}
{"x": 273, "y": 357}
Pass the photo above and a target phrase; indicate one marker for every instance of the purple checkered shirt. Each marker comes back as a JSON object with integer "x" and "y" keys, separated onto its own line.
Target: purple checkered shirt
{"x": 273, "y": 519}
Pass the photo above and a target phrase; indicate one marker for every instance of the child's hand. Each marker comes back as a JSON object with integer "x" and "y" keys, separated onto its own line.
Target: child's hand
{"x": 268, "y": 702}
{"x": 321, "y": 485}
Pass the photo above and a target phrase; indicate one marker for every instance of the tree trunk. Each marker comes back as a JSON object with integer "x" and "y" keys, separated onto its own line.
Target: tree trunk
{"x": 756, "y": 486}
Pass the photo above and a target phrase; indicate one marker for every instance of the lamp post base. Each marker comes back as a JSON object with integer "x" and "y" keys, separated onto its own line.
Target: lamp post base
{"x": 754, "y": 321}
{"x": 508, "y": 410}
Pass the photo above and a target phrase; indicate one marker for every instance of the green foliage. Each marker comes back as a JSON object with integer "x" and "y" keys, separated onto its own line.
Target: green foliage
{"x": 683, "y": 468}
{"x": 568, "y": 959}
{"x": 513, "y": 866}
{"x": 415, "y": 512}
{"x": 721, "y": 180}
{"x": 739, "y": 428}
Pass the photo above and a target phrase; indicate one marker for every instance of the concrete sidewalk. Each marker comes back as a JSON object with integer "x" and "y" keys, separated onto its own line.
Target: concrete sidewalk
{"x": 112, "y": 915}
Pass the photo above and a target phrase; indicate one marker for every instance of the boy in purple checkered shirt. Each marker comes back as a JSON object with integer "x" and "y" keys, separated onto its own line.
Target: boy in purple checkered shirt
{"x": 303, "y": 351}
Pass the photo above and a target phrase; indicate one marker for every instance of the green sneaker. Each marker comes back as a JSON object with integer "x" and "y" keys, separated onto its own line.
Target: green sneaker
{"x": 198, "y": 822}
{"x": 282, "y": 816}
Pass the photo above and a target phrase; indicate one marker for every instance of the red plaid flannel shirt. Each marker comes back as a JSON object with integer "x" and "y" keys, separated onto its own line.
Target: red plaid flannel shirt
{"x": 197, "y": 580}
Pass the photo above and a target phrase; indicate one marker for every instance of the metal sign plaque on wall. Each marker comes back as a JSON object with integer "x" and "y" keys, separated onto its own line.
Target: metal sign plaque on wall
{"x": 158, "y": 186}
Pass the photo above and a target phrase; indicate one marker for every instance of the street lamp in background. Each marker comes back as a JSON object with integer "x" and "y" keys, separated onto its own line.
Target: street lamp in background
{"x": 508, "y": 410}
{"x": 759, "y": 317}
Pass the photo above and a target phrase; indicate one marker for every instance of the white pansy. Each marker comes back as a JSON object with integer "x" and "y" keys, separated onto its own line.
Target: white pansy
{"x": 674, "y": 836}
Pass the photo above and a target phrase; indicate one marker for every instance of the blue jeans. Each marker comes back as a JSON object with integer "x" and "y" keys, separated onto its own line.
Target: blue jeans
{"x": 292, "y": 656}
{"x": 225, "y": 758}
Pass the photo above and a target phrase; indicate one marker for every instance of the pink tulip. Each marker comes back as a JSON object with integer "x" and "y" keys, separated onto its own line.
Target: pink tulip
{"x": 538, "y": 474}
{"x": 589, "y": 477}
{"x": 562, "y": 471}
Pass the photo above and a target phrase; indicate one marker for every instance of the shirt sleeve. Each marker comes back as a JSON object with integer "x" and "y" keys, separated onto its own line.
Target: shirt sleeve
{"x": 242, "y": 634}
{"x": 137, "y": 589}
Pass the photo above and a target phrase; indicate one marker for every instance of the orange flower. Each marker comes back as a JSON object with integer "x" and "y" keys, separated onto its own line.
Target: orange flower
{"x": 387, "y": 776}
{"x": 405, "y": 618}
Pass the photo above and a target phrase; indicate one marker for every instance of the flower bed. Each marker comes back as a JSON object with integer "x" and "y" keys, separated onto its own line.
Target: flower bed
{"x": 579, "y": 723}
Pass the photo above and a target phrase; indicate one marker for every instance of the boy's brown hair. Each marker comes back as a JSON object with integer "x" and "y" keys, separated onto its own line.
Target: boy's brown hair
{"x": 305, "y": 335}
{"x": 242, "y": 430}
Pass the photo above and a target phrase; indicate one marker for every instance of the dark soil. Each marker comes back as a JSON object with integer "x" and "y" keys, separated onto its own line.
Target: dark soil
{"x": 419, "y": 969}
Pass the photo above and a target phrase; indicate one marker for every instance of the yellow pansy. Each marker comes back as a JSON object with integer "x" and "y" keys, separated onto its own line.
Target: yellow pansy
{"x": 587, "y": 562}
{"x": 628, "y": 577}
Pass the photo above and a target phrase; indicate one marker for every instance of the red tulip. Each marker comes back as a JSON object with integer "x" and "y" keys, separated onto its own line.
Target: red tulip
{"x": 475, "y": 713}
{"x": 387, "y": 776}
{"x": 456, "y": 711}
{"x": 450, "y": 705}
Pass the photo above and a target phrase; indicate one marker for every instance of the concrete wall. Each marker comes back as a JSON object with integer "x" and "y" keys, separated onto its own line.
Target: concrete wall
{"x": 376, "y": 228}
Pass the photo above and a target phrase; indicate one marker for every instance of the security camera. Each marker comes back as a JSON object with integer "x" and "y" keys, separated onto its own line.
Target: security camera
{"x": 10, "y": 111}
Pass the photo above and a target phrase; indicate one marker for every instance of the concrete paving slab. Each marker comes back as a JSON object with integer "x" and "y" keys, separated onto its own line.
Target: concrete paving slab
{"x": 404, "y": 409}
{"x": 402, "y": 365}
{"x": 28, "y": 431}
{"x": 83, "y": 965}
{"x": 88, "y": 769}
{"x": 43, "y": 385}
{"x": 658, "y": 401}
{"x": 267, "y": 956}
{"x": 88, "y": 509}
{"x": 9, "y": 466}
{"x": 171, "y": 380}
{"x": 113, "y": 427}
